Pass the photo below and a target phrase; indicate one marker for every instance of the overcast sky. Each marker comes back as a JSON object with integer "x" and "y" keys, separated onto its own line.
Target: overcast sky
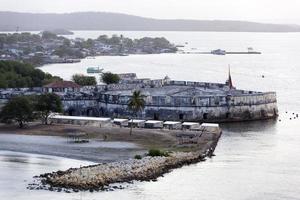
{"x": 280, "y": 11}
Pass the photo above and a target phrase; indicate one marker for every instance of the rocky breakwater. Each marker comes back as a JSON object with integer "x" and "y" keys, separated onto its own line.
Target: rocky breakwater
{"x": 101, "y": 176}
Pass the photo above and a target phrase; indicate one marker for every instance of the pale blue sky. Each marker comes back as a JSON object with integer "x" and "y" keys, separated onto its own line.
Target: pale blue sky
{"x": 280, "y": 11}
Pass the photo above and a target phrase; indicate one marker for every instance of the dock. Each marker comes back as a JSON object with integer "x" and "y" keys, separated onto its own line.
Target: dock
{"x": 229, "y": 52}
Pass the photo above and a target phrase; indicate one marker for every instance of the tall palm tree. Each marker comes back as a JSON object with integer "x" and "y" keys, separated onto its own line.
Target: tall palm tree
{"x": 136, "y": 104}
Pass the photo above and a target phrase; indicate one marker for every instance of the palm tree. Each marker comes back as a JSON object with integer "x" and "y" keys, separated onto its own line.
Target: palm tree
{"x": 136, "y": 104}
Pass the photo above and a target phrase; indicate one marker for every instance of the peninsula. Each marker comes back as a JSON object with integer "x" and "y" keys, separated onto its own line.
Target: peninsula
{"x": 47, "y": 47}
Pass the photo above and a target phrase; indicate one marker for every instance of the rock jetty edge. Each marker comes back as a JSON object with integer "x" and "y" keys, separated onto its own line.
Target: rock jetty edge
{"x": 101, "y": 176}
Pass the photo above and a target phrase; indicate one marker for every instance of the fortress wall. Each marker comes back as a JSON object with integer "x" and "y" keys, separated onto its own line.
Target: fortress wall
{"x": 218, "y": 113}
{"x": 81, "y": 107}
{"x": 253, "y": 99}
{"x": 205, "y": 101}
{"x": 2, "y": 103}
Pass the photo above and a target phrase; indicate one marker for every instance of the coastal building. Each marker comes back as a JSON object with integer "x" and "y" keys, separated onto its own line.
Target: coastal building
{"x": 154, "y": 124}
{"x": 191, "y": 126}
{"x": 80, "y": 120}
{"x": 165, "y": 100}
{"x": 137, "y": 123}
{"x": 171, "y": 100}
{"x": 121, "y": 122}
{"x": 61, "y": 86}
{"x": 172, "y": 125}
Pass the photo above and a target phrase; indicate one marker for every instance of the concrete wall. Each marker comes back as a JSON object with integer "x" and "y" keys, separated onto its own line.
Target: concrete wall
{"x": 218, "y": 108}
{"x": 208, "y": 114}
{"x": 81, "y": 107}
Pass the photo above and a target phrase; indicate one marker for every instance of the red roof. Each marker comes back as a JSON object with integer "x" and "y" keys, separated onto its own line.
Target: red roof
{"x": 62, "y": 84}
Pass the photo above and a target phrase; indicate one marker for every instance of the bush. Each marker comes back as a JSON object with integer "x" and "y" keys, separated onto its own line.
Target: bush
{"x": 110, "y": 78}
{"x": 84, "y": 80}
{"x": 15, "y": 74}
{"x": 138, "y": 157}
{"x": 157, "y": 152}
{"x": 18, "y": 109}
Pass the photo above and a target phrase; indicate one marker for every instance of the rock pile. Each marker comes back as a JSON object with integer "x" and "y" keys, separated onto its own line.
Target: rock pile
{"x": 102, "y": 176}
{"x": 98, "y": 177}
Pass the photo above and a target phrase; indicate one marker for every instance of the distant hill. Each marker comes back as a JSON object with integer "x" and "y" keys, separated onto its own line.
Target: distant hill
{"x": 9, "y": 21}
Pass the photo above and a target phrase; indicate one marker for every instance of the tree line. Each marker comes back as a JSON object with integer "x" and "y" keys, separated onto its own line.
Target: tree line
{"x": 15, "y": 74}
{"x": 24, "y": 109}
{"x": 106, "y": 77}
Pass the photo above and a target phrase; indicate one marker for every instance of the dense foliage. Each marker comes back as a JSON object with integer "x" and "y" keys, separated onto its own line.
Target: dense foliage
{"x": 24, "y": 109}
{"x": 18, "y": 109}
{"x": 110, "y": 78}
{"x": 83, "y": 80}
{"x": 20, "y": 75}
{"x": 145, "y": 44}
{"x": 46, "y": 104}
{"x": 157, "y": 152}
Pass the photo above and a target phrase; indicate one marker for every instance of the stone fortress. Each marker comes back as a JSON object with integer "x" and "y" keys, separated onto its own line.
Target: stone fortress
{"x": 166, "y": 100}
{"x": 172, "y": 100}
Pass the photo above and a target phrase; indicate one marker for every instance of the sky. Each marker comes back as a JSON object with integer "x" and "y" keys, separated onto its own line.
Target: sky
{"x": 275, "y": 11}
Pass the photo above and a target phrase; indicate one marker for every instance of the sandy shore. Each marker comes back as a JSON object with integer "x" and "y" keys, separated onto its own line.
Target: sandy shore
{"x": 106, "y": 144}
{"x": 100, "y": 177}
{"x": 113, "y": 147}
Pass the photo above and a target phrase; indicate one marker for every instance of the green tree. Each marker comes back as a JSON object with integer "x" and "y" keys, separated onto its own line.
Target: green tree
{"x": 136, "y": 104}
{"x": 46, "y": 104}
{"x": 18, "y": 109}
{"x": 48, "y": 35}
{"x": 16, "y": 74}
{"x": 83, "y": 80}
{"x": 110, "y": 78}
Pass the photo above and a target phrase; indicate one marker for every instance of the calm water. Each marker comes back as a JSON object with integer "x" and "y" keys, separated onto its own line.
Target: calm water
{"x": 257, "y": 160}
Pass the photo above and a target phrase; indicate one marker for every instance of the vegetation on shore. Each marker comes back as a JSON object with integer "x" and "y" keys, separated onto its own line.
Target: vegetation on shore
{"x": 109, "y": 78}
{"x": 19, "y": 110}
{"x": 47, "y": 47}
{"x": 136, "y": 104}
{"x": 15, "y": 74}
{"x": 157, "y": 152}
{"x": 46, "y": 104}
{"x": 24, "y": 109}
{"x": 83, "y": 80}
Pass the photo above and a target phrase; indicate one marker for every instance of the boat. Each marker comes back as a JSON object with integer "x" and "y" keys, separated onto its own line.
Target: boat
{"x": 218, "y": 52}
{"x": 93, "y": 70}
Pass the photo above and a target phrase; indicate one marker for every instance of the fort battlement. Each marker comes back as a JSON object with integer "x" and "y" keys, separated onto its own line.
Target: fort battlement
{"x": 166, "y": 99}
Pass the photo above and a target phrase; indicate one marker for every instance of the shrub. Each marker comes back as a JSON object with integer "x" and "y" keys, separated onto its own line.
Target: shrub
{"x": 157, "y": 152}
{"x": 84, "y": 80}
{"x": 110, "y": 78}
{"x": 138, "y": 157}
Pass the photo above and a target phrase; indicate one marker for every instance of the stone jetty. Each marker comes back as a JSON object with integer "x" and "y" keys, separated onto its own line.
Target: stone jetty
{"x": 101, "y": 176}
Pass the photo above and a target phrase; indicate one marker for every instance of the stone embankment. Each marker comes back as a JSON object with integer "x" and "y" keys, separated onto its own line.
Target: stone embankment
{"x": 101, "y": 176}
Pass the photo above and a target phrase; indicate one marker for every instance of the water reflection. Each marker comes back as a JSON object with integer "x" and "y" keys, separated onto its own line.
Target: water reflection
{"x": 250, "y": 126}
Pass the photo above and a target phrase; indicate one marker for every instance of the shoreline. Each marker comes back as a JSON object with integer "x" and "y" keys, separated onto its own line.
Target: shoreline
{"x": 105, "y": 144}
{"x": 116, "y": 154}
{"x": 102, "y": 176}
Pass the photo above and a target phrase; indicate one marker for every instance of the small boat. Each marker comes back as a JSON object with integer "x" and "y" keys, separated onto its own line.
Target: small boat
{"x": 93, "y": 70}
{"x": 218, "y": 52}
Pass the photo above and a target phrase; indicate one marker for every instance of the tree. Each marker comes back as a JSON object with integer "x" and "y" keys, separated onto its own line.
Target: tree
{"x": 17, "y": 74}
{"x": 136, "y": 104}
{"x": 47, "y": 103}
{"x": 83, "y": 80}
{"x": 18, "y": 109}
{"x": 110, "y": 78}
{"x": 48, "y": 35}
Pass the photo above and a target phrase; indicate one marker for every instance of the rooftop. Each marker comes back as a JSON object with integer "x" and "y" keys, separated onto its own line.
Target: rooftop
{"x": 62, "y": 84}
{"x": 99, "y": 119}
{"x": 180, "y": 91}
